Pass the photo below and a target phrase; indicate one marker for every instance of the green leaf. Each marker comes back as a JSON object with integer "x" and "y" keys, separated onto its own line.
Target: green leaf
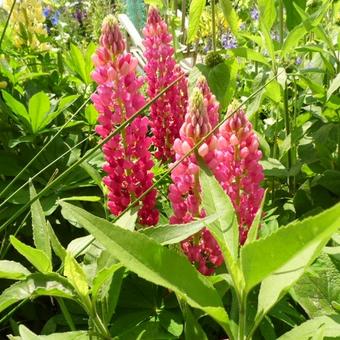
{"x": 39, "y": 225}
{"x": 216, "y": 201}
{"x": 267, "y": 13}
{"x": 58, "y": 249}
{"x": 36, "y": 256}
{"x": 175, "y": 233}
{"x": 273, "y": 167}
{"x": 329, "y": 324}
{"x": 13, "y": 270}
{"x": 287, "y": 252}
{"x": 27, "y": 334}
{"x": 128, "y": 219}
{"x": 77, "y": 63}
{"x": 153, "y": 262}
{"x": 192, "y": 328}
{"x": 18, "y": 108}
{"x": 82, "y": 198}
{"x": 38, "y": 108}
{"x": 80, "y": 245}
{"x": 106, "y": 289}
{"x": 63, "y": 104}
{"x": 35, "y": 285}
{"x": 75, "y": 274}
{"x": 293, "y": 39}
{"x": 91, "y": 114}
{"x": 334, "y": 85}
{"x": 230, "y": 15}
{"x": 255, "y": 226}
{"x": 249, "y": 54}
{"x": 318, "y": 288}
{"x": 195, "y": 12}
{"x": 172, "y": 322}
{"x": 293, "y": 18}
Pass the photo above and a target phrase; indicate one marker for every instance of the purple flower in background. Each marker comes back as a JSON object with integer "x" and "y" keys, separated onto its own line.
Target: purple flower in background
{"x": 243, "y": 26}
{"x": 207, "y": 47}
{"x": 254, "y": 14}
{"x": 55, "y": 18}
{"x": 298, "y": 61}
{"x": 80, "y": 15}
{"x": 228, "y": 40}
{"x": 47, "y": 11}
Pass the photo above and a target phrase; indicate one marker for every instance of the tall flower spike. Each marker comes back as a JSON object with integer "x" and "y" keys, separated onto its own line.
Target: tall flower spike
{"x": 185, "y": 192}
{"x": 167, "y": 113}
{"x": 117, "y": 98}
{"x": 238, "y": 170}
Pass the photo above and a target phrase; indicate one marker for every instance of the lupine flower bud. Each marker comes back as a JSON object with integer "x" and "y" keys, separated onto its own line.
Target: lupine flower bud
{"x": 239, "y": 171}
{"x": 167, "y": 113}
{"x": 185, "y": 192}
{"x": 127, "y": 154}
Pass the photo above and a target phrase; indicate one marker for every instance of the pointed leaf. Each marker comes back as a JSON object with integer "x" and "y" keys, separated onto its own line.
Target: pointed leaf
{"x": 75, "y": 274}
{"x": 195, "y": 12}
{"x": 291, "y": 247}
{"x": 39, "y": 225}
{"x": 153, "y": 262}
{"x": 230, "y": 15}
{"x": 36, "y": 256}
{"x": 35, "y": 285}
{"x": 27, "y": 334}
{"x": 329, "y": 324}
{"x": 175, "y": 233}
{"x": 38, "y": 108}
{"x": 13, "y": 270}
{"x": 58, "y": 249}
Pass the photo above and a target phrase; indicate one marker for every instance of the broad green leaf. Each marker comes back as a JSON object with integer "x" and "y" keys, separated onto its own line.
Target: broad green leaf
{"x": 40, "y": 230}
{"x": 80, "y": 245}
{"x": 36, "y": 256}
{"x": 35, "y": 285}
{"x": 17, "y": 107}
{"x": 91, "y": 114}
{"x": 171, "y": 321}
{"x": 128, "y": 219}
{"x": 230, "y": 15}
{"x": 175, "y": 233}
{"x": 58, "y": 249}
{"x": 216, "y": 201}
{"x": 334, "y": 85}
{"x": 287, "y": 252}
{"x": 106, "y": 289}
{"x": 318, "y": 288}
{"x": 273, "y": 167}
{"x": 26, "y": 334}
{"x": 293, "y": 39}
{"x": 13, "y": 270}
{"x": 267, "y": 13}
{"x": 330, "y": 326}
{"x": 63, "y": 104}
{"x": 192, "y": 328}
{"x": 153, "y": 262}
{"x": 195, "y": 12}
{"x": 249, "y": 54}
{"x": 77, "y": 63}
{"x": 225, "y": 228}
{"x": 38, "y": 109}
{"x": 76, "y": 275}
{"x": 292, "y": 16}
{"x": 255, "y": 226}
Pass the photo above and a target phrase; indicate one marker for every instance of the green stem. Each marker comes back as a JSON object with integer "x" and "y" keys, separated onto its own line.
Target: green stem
{"x": 213, "y": 25}
{"x": 66, "y": 314}
{"x": 288, "y": 131}
{"x": 242, "y": 318}
{"x": 7, "y": 22}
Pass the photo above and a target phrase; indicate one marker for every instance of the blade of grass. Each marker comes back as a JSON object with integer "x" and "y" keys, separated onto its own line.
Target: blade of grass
{"x": 7, "y": 22}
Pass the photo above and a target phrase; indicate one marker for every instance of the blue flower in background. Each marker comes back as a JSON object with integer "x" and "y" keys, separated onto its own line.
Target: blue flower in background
{"x": 298, "y": 61}
{"x": 254, "y": 14}
{"x": 47, "y": 11}
{"x": 55, "y": 18}
{"x": 275, "y": 36}
{"x": 228, "y": 40}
